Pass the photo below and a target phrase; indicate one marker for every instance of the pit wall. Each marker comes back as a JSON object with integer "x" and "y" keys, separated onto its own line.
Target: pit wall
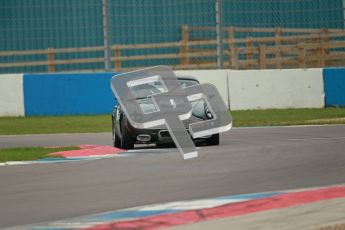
{"x": 90, "y": 93}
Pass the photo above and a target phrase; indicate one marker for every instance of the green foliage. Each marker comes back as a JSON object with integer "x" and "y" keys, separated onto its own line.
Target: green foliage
{"x": 29, "y": 153}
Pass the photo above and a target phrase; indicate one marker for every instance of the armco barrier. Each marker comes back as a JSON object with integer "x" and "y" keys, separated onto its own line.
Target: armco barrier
{"x": 11, "y": 95}
{"x": 68, "y": 94}
{"x": 334, "y": 84}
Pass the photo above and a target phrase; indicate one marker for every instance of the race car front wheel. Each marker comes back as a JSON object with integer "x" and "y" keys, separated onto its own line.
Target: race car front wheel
{"x": 213, "y": 140}
{"x": 126, "y": 141}
{"x": 116, "y": 140}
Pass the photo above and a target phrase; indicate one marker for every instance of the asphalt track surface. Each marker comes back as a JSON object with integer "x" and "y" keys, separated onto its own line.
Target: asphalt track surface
{"x": 246, "y": 161}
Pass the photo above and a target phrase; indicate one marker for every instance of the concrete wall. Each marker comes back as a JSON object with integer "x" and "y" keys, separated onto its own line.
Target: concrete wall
{"x": 265, "y": 89}
{"x": 11, "y": 95}
{"x": 276, "y": 89}
{"x": 219, "y": 78}
{"x": 334, "y": 83}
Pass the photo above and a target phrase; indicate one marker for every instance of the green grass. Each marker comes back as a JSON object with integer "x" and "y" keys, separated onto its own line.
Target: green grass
{"x": 29, "y": 153}
{"x": 102, "y": 123}
{"x": 275, "y": 117}
{"x": 55, "y": 124}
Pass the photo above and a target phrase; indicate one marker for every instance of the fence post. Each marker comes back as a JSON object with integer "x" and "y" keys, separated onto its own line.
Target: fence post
{"x": 231, "y": 44}
{"x": 106, "y": 38}
{"x": 322, "y": 53}
{"x": 117, "y": 52}
{"x": 277, "y": 39}
{"x": 51, "y": 59}
{"x": 184, "y": 45}
{"x": 262, "y": 56}
{"x": 313, "y": 52}
{"x": 325, "y": 38}
{"x": 249, "y": 44}
{"x": 234, "y": 57}
{"x": 219, "y": 34}
{"x": 249, "y": 55}
{"x": 231, "y": 33}
{"x": 301, "y": 55}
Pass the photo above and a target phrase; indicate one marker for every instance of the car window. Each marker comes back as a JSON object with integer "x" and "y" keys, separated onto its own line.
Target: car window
{"x": 184, "y": 83}
{"x": 143, "y": 91}
{"x": 148, "y": 89}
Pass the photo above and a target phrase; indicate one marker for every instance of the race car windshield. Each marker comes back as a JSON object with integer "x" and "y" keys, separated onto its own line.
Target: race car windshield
{"x": 149, "y": 89}
{"x": 143, "y": 94}
{"x": 146, "y": 90}
{"x": 184, "y": 83}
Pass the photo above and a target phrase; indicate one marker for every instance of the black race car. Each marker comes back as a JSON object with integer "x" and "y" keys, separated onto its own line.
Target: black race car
{"x": 125, "y": 135}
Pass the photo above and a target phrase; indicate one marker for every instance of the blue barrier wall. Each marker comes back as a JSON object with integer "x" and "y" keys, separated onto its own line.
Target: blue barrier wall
{"x": 334, "y": 85}
{"x": 90, "y": 93}
{"x": 68, "y": 94}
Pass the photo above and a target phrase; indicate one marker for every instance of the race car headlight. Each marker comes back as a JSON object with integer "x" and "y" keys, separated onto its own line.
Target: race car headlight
{"x": 208, "y": 113}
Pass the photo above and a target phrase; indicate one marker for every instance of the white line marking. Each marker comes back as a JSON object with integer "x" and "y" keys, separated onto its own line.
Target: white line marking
{"x": 62, "y": 160}
{"x": 190, "y": 205}
{"x": 316, "y": 138}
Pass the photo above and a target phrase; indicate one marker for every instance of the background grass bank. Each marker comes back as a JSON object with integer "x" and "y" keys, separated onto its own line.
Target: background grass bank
{"x": 102, "y": 123}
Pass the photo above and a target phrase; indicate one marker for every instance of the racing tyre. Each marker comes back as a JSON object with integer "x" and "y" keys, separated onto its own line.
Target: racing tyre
{"x": 213, "y": 140}
{"x": 116, "y": 140}
{"x": 126, "y": 141}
